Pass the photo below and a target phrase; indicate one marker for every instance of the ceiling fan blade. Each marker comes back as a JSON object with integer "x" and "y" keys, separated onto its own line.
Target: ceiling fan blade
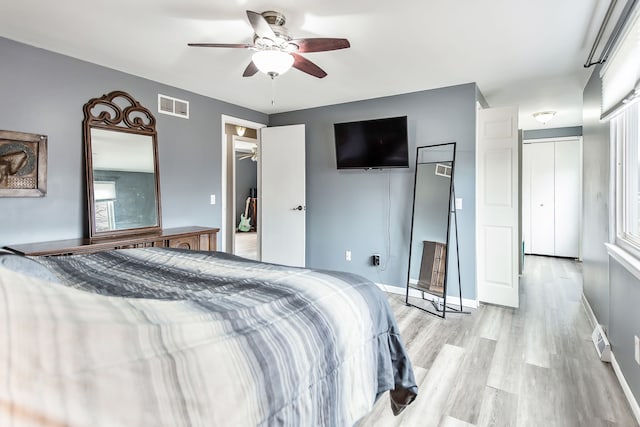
{"x": 231, "y": 45}
{"x": 250, "y": 70}
{"x": 260, "y": 26}
{"x": 306, "y": 66}
{"x": 320, "y": 44}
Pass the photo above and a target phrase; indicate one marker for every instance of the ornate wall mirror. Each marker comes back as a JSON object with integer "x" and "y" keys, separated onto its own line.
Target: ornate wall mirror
{"x": 121, "y": 152}
{"x": 431, "y": 224}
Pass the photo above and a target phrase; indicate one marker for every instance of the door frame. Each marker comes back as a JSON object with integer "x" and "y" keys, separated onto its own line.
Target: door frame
{"x": 224, "y": 173}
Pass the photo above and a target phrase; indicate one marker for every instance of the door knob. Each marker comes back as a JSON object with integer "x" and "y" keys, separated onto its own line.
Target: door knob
{"x": 299, "y": 208}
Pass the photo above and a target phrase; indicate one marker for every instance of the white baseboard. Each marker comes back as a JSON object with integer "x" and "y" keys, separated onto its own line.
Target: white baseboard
{"x": 590, "y": 314}
{"x": 633, "y": 403}
{"x": 625, "y": 388}
{"x": 416, "y": 293}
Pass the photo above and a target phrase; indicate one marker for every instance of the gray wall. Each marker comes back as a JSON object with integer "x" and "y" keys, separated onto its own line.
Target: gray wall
{"x": 43, "y": 92}
{"x": 355, "y": 210}
{"x": 595, "y": 200}
{"x": 624, "y": 322}
{"x": 613, "y": 293}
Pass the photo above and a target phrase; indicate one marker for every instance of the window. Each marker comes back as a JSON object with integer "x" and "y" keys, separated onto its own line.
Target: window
{"x": 105, "y": 194}
{"x": 620, "y": 96}
{"x": 625, "y": 145}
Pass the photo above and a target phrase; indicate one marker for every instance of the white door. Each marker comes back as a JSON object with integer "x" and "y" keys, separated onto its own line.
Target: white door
{"x": 281, "y": 201}
{"x": 541, "y": 158}
{"x": 526, "y": 197}
{"x": 497, "y": 206}
{"x": 551, "y": 200}
{"x": 568, "y": 191}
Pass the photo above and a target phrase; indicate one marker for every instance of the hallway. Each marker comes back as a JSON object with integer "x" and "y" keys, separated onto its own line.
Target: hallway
{"x": 534, "y": 366}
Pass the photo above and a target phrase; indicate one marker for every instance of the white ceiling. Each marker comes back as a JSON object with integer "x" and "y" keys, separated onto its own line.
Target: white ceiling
{"x": 520, "y": 52}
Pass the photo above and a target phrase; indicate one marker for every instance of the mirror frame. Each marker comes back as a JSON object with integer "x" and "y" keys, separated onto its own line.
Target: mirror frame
{"x": 128, "y": 116}
{"x": 440, "y": 305}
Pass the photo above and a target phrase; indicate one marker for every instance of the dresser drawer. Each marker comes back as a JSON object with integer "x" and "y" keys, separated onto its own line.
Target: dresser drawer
{"x": 188, "y": 242}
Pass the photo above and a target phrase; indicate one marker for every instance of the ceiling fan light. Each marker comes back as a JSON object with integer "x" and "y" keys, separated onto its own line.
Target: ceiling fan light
{"x": 272, "y": 62}
{"x": 544, "y": 116}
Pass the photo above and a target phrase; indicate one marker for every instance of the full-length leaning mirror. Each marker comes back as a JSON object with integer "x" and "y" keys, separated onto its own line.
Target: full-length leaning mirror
{"x": 431, "y": 225}
{"x": 121, "y": 153}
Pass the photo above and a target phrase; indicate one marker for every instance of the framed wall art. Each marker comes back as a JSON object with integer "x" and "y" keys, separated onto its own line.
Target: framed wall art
{"x": 23, "y": 164}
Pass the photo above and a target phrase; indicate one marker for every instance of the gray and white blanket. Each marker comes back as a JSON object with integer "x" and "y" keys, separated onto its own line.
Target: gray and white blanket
{"x": 159, "y": 337}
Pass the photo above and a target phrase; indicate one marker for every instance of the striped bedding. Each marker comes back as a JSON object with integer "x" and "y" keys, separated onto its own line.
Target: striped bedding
{"x": 162, "y": 337}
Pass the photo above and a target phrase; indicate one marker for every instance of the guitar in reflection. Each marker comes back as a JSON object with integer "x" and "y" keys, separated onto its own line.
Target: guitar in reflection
{"x": 245, "y": 220}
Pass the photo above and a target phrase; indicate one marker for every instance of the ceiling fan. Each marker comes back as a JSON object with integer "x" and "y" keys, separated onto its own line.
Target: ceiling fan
{"x": 252, "y": 154}
{"x": 276, "y": 51}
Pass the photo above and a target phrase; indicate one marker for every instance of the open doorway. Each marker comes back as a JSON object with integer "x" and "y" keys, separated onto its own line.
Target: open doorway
{"x": 240, "y": 183}
{"x": 245, "y": 146}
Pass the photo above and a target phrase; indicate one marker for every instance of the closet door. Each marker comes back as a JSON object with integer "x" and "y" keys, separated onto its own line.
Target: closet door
{"x": 526, "y": 197}
{"x": 542, "y": 199}
{"x": 567, "y": 198}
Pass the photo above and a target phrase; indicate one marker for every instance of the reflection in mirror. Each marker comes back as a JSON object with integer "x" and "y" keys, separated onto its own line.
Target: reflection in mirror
{"x": 122, "y": 167}
{"x": 123, "y": 180}
{"x": 431, "y": 220}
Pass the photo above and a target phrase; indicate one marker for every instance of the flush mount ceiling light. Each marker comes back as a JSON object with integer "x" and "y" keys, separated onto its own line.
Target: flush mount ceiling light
{"x": 544, "y": 116}
{"x": 272, "y": 62}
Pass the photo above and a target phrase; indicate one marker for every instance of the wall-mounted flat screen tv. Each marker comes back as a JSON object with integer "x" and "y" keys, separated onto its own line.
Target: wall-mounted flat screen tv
{"x": 372, "y": 144}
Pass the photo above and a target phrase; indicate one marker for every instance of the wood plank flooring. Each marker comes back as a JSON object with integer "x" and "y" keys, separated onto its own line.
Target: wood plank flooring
{"x": 532, "y": 366}
{"x": 246, "y": 244}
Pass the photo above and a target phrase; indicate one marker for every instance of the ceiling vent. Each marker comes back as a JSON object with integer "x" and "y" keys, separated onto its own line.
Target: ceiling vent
{"x": 173, "y": 106}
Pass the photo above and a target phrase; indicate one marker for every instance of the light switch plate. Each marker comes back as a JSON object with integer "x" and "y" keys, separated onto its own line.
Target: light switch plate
{"x": 458, "y": 203}
{"x": 212, "y": 199}
{"x": 347, "y": 255}
{"x": 637, "y": 346}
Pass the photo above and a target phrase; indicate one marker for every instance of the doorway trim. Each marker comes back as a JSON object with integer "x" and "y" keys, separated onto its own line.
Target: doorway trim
{"x": 224, "y": 173}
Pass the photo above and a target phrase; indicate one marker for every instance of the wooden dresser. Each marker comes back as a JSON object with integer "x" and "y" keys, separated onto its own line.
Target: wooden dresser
{"x": 194, "y": 238}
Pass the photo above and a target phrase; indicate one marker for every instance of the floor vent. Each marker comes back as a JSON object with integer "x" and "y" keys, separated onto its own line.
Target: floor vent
{"x": 601, "y": 343}
{"x": 173, "y": 106}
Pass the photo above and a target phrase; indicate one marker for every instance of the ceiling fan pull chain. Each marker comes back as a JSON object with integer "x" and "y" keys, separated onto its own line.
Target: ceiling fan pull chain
{"x": 273, "y": 91}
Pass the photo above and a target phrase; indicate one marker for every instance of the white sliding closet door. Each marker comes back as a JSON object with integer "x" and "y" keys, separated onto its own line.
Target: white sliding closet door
{"x": 568, "y": 193}
{"x": 551, "y": 193}
{"x": 542, "y": 199}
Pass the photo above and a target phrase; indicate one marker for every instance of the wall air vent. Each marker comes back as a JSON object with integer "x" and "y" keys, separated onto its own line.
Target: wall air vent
{"x": 173, "y": 106}
{"x": 443, "y": 170}
{"x": 601, "y": 343}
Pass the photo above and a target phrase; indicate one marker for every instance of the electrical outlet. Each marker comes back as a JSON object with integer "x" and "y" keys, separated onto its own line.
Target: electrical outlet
{"x": 212, "y": 199}
{"x": 375, "y": 260}
{"x": 347, "y": 255}
{"x": 637, "y": 346}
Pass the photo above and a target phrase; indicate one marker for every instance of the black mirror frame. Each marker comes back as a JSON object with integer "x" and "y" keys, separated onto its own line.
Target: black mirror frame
{"x": 440, "y": 305}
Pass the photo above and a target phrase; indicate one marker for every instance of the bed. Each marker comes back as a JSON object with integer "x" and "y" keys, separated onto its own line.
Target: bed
{"x": 168, "y": 337}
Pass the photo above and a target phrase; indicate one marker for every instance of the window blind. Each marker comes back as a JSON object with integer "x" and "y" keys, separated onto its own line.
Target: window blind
{"x": 621, "y": 73}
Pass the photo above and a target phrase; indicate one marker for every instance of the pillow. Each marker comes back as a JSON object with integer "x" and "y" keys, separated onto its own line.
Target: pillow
{"x": 27, "y": 266}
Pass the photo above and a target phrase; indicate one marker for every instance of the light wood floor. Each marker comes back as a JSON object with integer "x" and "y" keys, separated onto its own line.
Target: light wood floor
{"x": 246, "y": 244}
{"x": 534, "y": 366}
